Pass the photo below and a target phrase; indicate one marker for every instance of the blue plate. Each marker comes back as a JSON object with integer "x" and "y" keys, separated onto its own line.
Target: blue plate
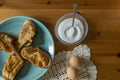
{"x": 43, "y": 39}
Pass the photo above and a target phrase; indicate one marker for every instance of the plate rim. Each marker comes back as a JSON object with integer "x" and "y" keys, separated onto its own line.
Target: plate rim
{"x": 37, "y": 21}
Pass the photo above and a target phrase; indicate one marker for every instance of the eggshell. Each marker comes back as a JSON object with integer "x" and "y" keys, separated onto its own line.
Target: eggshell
{"x": 71, "y": 73}
{"x": 75, "y": 61}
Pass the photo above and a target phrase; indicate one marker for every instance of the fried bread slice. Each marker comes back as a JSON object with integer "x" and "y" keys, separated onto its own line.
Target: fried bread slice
{"x": 12, "y": 67}
{"x": 36, "y": 56}
{"x": 27, "y": 33}
{"x": 6, "y": 42}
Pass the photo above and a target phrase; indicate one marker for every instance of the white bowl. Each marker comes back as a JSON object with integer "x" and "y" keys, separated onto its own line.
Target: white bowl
{"x": 70, "y": 15}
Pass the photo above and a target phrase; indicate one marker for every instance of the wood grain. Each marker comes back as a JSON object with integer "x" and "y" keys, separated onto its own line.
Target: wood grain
{"x": 60, "y": 4}
{"x": 103, "y": 17}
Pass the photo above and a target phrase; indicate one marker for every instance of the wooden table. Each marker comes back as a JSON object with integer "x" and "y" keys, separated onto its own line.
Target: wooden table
{"x": 103, "y": 17}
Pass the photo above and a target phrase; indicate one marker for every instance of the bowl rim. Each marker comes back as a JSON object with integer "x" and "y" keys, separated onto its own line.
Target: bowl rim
{"x": 84, "y": 22}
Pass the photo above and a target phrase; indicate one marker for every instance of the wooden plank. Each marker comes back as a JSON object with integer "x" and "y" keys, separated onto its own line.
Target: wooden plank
{"x": 103, "y": 45}
{"x": 103, "y": 36}
{"x": 102, "y": 27}
{"x": 106, "y": 59}
{"x": 108, "y": 71}
{"x": 108, "y": 67}
{"x": 60, "y": 4}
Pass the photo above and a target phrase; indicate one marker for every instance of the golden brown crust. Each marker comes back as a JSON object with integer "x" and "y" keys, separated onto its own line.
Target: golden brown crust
{"x": 27, "y": 33}
{"x": 6, "y": 42}
{"x": 12, "y": 67}
{"x": 36, "y": 56}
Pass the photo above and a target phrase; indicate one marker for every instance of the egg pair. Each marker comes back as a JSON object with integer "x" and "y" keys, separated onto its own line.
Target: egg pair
{"x": 75, "y": 62}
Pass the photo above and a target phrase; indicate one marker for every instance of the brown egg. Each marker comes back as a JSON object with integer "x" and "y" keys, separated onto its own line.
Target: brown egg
{"x": 75, "y": 61}
{"x": 71, "y": 73}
